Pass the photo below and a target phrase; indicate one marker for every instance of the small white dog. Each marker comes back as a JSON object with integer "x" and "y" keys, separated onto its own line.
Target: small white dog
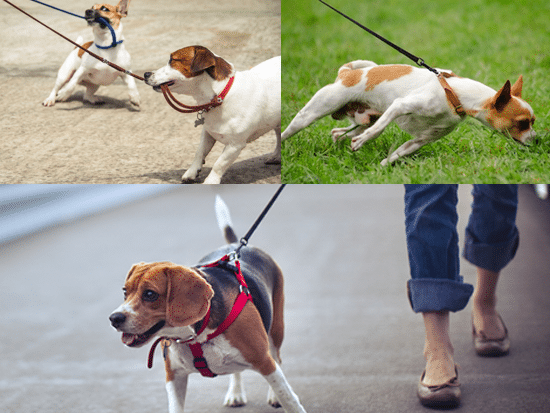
{"x": 251, "y": 107}
{"x": 373, "y": 96}
{"x": 82, "y": 69}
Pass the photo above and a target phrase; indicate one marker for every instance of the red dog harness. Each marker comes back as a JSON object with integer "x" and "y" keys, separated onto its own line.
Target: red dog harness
{"x": 196, "y": 348}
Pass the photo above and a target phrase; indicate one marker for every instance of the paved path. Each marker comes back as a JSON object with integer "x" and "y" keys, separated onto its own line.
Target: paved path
{"x": 352, "y": 343}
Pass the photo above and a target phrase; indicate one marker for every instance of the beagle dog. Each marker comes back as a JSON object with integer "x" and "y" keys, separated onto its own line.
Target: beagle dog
{"x": 172, "y": 301}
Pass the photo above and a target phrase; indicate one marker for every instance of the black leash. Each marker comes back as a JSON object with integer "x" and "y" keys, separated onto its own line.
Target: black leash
{"x": 244, "y": 240}
{"x": 418, "y": 60}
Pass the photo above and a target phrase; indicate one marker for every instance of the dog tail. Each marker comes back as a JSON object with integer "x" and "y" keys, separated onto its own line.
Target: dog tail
{"x": 224, "y": 220}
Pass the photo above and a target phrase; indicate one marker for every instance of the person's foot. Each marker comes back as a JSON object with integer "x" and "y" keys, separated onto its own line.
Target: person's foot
{"x": 492, "y": 342}
{"x": 445, "y": 395}
{"x": 487, "y": 321}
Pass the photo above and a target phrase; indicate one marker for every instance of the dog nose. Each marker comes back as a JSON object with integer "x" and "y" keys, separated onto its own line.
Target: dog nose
{"x": 117, "y": 319}
{"x": 89, "y": 13}
{"x": 147, "y": 75}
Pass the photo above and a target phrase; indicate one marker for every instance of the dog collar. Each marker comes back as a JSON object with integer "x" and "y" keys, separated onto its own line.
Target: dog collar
{"x": 101, "y": 20}
{"x": 450, "y": 93}
{"x": 216, "y": 101}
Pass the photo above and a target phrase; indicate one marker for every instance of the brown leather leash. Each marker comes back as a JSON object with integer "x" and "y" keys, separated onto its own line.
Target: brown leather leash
{"x": 114, "y": 66}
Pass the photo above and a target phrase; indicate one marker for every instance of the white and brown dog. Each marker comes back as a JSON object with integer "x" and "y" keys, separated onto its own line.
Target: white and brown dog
{"x": 184, "y": 305}
{"x": 251, "y": 108}
{"x": 82, "y": 69}
{"x": 373, "y": 96}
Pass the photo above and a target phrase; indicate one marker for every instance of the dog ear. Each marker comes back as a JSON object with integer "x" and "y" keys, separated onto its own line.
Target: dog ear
{"x": 516, "y": 89}
{"x": 502, "y": 97}
{"x": 122, "y": 7}
{"x": 188, "y": 297}
{"x": 205, "y": 60}
{"x": 133, "y": 269}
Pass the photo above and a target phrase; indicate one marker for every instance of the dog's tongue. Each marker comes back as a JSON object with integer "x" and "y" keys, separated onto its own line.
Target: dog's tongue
{"x": 129, "y": 339}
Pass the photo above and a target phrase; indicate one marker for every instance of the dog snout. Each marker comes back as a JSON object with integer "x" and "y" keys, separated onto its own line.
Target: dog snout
{"x": 89, "y": 14}
{"x": 117, "y": 319}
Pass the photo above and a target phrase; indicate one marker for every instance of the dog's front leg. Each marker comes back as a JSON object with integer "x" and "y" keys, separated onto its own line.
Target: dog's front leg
{"x": 406, "y": 149}
{"x": 176, "y": 387}
{"x": 205, "y": 146}
{"x": 228, "y": 156}
{"x": 284, "y": 393}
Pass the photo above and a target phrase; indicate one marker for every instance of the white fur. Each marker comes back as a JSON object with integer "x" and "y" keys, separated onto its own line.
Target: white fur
{"x": 251, "y": 108}
{"x": 90, "y": 72}
{"x": 415, "y": 101}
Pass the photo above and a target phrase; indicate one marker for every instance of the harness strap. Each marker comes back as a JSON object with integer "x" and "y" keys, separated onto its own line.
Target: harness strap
{"x": 244, "y": 296}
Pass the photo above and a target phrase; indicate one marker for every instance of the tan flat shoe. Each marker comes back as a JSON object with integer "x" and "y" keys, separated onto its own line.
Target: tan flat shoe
{"x": 446, "y": 395}
{"x": 491, "y": 347}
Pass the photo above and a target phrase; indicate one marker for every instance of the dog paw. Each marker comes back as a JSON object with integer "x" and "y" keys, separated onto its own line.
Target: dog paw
{"x": 94, "y": 100}
{"x": 272, "y": 399}
{"x": 234, "y": 400}
{"x": 48, "y": 102}
{"x": 212, "y": 179}
{"x": 135, "y": 101}
{"x": 356, "y": 143}
{"x": 273, "y": 159}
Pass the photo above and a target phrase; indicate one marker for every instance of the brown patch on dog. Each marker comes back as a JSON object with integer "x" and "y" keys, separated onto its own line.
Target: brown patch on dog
{"x": 350, "y": 77}
{"x": 379, "y": 74}
{"x": 85, "y": 46}
{"x": 349, "y": 110}
{"x": 192, "y": 61}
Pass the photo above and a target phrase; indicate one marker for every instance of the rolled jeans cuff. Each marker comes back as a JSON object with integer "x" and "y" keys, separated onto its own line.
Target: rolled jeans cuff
{"x": 492, "y": 257}
{"x": 432, "y": 294}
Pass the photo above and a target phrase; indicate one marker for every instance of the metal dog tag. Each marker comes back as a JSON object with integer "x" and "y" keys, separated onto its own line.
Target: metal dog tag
{"x": 200, "y": 119}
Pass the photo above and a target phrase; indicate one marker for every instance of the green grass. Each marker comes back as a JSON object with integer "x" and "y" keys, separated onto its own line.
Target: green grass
{"x": 486, "y": 40}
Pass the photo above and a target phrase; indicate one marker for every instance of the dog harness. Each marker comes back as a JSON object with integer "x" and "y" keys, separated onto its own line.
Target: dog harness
{"x": 196, "y": 348}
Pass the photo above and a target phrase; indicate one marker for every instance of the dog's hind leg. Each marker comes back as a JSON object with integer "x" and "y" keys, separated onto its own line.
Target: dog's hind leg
{"x": 89, "y": 94}
{"x": 326, "y": 101}
{"x": 275, "y": 156}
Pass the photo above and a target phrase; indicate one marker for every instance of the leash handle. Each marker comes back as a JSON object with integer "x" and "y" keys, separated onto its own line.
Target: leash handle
{"x": 114, "y": 66}
{"x": 244, "y": 240}
{"x": 418, "y": 60}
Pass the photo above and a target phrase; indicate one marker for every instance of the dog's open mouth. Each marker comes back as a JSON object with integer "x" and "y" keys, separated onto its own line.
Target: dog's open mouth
{"x": 158, "y": 88}
{"x": 136, "y": 340}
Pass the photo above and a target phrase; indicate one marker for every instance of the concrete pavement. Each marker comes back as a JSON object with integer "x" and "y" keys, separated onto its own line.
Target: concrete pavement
{"x": 352, "y": 343}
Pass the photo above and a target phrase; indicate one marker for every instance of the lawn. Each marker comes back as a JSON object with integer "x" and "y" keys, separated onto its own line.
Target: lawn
{"x": 489, "y": 41}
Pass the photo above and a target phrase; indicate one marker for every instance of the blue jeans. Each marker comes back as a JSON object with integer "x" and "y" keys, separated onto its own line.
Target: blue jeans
{"x": 432, "y": 240}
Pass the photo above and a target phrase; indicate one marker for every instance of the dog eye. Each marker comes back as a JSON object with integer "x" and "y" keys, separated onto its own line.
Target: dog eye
{"x": 149, "y": 296}
{"x": 125, "y": 293}
{"x": 524, "y": 124}
{"x": 103, "y": 8}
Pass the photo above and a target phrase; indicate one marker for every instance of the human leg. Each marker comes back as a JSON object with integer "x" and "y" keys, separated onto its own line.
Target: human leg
{"x": 492, "y": 240}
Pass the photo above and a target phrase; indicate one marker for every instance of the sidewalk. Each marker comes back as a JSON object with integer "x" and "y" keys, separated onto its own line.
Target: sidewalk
{"x": 352, "y": 343}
